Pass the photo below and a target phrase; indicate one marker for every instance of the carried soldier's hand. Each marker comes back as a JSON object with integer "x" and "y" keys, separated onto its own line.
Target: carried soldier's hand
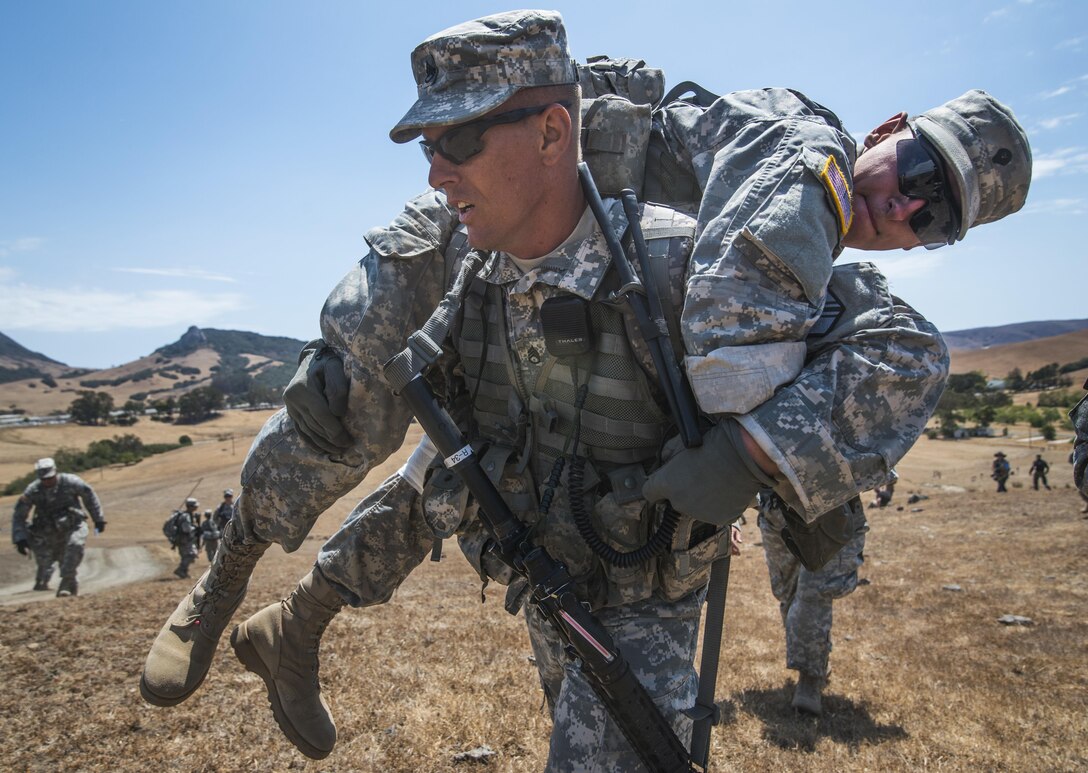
{"x": 317, "y": 400}
{"x": 100, "y": 527}
{"x": 23, "y": 547}
{"x": 714, "y": 482}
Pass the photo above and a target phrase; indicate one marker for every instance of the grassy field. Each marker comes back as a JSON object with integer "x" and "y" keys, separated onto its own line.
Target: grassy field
{"x": 923, "y": 677}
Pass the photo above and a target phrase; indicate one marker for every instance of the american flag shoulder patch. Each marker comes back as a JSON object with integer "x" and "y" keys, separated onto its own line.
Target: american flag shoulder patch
{"x": 839, "y": 189}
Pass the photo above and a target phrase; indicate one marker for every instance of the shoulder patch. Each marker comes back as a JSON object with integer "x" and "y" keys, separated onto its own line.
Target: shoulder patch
{"x": 829, "y": 316}
{"x": 839, "y": 190}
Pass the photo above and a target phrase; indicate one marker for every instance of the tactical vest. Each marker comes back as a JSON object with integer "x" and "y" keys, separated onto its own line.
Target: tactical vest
{"x": 623, "y": 422}
{"x": 57, "y": 508}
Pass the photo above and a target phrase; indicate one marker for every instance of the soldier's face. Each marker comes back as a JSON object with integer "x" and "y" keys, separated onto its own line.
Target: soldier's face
{"x": 496, "y": 192}
{"x": 881, "y": 212}
{"x": 49, "y": 482}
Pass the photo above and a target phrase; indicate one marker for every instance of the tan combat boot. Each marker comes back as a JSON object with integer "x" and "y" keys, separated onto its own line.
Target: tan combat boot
{"x": 807, "y": 696}
{"x": 279, "y": 644}
{"x": 182, "y": 653}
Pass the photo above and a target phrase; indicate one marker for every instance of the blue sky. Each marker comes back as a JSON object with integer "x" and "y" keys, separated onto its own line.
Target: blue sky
{"x": 217, "y": 163}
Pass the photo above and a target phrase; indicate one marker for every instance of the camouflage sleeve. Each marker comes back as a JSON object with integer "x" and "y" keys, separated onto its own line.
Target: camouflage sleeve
{"x": 1079, "y": 417}
{"x": 19, "y": 516}
{"x": 874, "y": 373}
{"x": 368, "y": 316}
{"x": 366, "y": 319}
{"x": 769, "y": 224}
{"x": 89, "y": 498}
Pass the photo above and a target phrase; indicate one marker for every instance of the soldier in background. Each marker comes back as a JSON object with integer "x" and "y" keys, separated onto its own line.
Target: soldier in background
{"x": 58, "y": 531}
{"x": 1039, "y": 469}
{"x": 1079, "y": 457}
{"x": 210, "y": 534}
{"x": 805, "y": 597}
{"x": 1001, "y": 471}
{"x": 186, "y": 536}
{"x": 225, "y": 511}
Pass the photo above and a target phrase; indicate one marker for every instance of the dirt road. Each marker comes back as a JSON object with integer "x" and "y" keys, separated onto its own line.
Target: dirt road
{"x": 101, "y": 568}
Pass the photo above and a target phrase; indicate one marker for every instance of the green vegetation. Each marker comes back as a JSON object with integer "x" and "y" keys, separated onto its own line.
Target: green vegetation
{"x": 91, "y": 407}
{"x": 140, "y": 375}
{"x": 199, "y": 405}
{"x": 121, "y": 449}
{"x": 1062, "y": 398}
{"x": 18, "y": 374}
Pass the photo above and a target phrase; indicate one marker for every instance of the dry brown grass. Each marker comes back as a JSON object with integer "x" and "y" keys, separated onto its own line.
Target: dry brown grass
{"x": 923, "y": 678}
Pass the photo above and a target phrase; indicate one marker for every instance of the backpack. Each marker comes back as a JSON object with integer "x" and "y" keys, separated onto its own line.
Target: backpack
{"x": 171, "y": 529}
{"x": 618, "y": 100}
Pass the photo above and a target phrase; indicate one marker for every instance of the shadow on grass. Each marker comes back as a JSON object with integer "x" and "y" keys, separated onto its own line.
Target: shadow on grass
{"x": 843, "y": 720}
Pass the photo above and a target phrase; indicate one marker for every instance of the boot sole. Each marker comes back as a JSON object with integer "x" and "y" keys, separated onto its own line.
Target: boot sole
{"x": 158, "y": 700}
{"x": 249, "y": 658}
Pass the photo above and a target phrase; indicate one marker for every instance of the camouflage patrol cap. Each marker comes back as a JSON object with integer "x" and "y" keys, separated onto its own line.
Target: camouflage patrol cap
{"x": 986, "y": 152}
{"x": 228, "y": 492}
{"x": 468, "y": 70}
{"x": 46, "y": 468}
{"x": 191, "y": 502}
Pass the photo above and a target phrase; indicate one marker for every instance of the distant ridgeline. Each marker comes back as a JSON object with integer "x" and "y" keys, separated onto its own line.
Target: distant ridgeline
{"x": 29, "y": 361}
{"x": 233, "y": 375}
{"x": 121, "y": 449}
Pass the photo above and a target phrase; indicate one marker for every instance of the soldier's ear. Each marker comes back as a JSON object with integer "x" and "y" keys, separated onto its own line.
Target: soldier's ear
{"x": 885, "y": 130}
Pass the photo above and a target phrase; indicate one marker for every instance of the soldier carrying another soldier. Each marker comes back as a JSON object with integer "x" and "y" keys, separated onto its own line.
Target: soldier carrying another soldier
{"x": 515, "y": 110}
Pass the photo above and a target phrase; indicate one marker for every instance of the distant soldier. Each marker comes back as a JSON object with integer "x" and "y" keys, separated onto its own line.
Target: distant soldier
{"x": 210, "y": 534}
{"x": 225, "y": 511}
{"x": 1001, "y": 471}
{"x": 184, "y": 536}
{"x": 58, "y": 532}
{"x": 1039, "y": 469}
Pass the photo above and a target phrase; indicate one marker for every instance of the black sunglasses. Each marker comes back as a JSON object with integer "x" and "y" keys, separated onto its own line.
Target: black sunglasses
{"x": 922, "y": 176}
{"x": 461, "y": 143}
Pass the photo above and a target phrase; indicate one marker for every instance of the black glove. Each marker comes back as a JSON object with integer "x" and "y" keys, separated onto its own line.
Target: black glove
{"x": 317, "y": 400}
{"x": 99, "y": 527}
{"x": 23, "y": 547}
{"x": 714, "y": 482}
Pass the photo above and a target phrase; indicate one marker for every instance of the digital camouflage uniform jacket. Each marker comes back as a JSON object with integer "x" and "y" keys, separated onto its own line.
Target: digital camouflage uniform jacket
{"x": 835, "y": 419}
{"x": 56, "y": 508}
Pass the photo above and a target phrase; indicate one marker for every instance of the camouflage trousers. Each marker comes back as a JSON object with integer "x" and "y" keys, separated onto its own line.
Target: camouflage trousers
{"x": 210, "y": 546}
{"x": 287, "y": 485}
{"x": 63, "y": 547}
{"x": 379, "y": 544}
{"x": 805, "y": 598}
{"x": 658, "y": 639}
{"x": 187, "y": 550}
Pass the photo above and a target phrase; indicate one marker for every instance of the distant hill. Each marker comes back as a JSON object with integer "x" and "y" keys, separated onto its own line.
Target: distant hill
{"x": 997, "y": 361}
{"x": 17, "y": 362}
{"x": 235, "y": 362}
{"x": 982, "y": 337}
{"x": 229, "y": 342}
